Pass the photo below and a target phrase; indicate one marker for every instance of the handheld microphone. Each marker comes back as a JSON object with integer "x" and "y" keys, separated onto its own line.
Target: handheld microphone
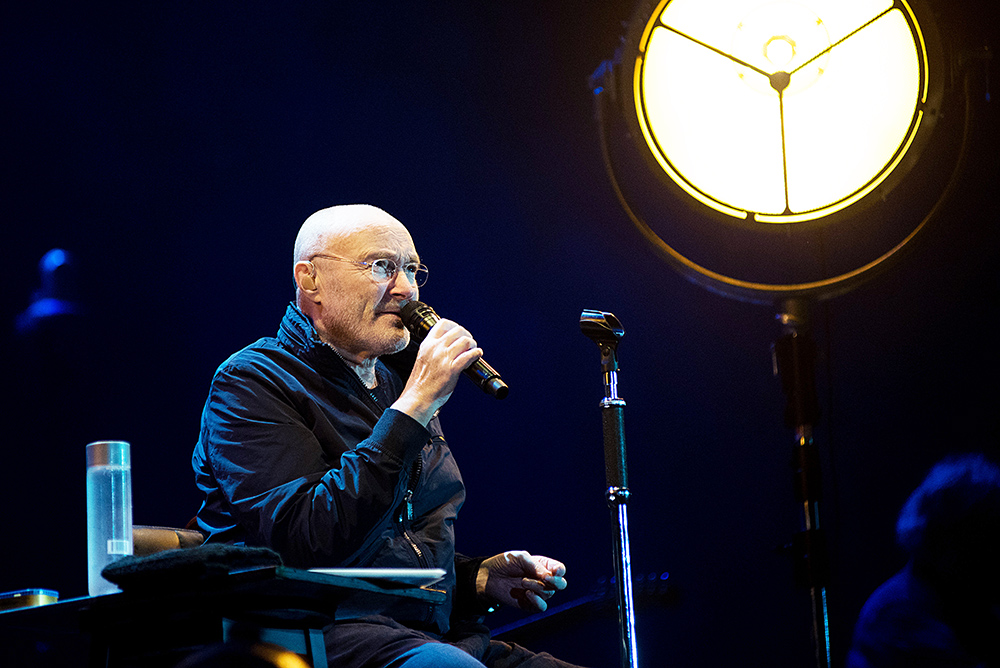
{"x": 419, "y": 318}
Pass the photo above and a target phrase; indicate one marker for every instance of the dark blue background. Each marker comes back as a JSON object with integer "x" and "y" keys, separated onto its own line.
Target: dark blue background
{"x": 175, "y": 148}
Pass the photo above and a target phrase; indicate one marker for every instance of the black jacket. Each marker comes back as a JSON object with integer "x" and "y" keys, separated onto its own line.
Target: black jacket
{"x": 297, "y": 455}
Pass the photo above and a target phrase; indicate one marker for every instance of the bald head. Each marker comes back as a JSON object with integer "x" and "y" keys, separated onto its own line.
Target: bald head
{"x": 327, "y": 229}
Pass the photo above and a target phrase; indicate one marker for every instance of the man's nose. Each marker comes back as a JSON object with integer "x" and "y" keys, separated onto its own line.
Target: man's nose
{"x": 402, "y": 286}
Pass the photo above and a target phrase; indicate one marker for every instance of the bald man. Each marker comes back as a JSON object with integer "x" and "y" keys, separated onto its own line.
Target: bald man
{"x": 313, "y": 446}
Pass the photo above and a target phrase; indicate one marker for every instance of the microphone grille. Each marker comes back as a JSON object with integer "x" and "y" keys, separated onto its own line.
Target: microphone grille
{"x": 417, "y": 316}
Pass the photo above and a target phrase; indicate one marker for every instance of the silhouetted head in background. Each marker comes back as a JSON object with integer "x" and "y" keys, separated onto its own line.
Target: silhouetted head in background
{"x": 950, "y": 527}
{"x": 943, "y": 608}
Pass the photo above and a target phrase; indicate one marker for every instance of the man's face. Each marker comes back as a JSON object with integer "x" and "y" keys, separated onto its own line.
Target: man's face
{"x": 360, "y": 316}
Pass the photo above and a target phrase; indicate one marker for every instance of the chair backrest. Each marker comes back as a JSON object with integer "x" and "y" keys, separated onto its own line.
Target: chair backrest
{"x": 148, "y": 540}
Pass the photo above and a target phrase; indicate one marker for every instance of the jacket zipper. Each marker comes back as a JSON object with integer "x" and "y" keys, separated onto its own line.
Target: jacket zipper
{"x": 405, "y": 516}
{"x": 365, "y": 392}
{"x": 406, "y": 512}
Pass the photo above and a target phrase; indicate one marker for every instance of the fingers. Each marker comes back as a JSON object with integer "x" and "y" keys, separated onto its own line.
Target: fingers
{"x": 545, "y": 587}
{"x": 547, "y": 581}
{"x": 534, "y": 602}
{"x": 453, "y": 344}
{"x": 547, "y": 570}
{"x": 551, "y": 566}
{"x": 524, "y": 580}
{"x": 529, "y": 600}
{"x": 444, "y": 353}
{"x": 535, "y": 595}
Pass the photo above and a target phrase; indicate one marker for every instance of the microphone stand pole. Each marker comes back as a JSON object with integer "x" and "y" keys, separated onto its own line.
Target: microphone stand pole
{"x": 605, "y": 330}
{"x": 794, "y": 357}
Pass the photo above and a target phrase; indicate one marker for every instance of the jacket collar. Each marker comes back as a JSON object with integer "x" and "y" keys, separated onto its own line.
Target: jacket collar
{"x": 297, "y": 333}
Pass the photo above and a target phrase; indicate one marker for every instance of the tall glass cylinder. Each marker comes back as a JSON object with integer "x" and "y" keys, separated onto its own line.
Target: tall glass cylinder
{"x": 109, "y": 510}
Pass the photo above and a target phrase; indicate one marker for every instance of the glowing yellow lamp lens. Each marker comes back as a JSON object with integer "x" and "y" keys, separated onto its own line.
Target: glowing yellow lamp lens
{"x": 785, "y": 111}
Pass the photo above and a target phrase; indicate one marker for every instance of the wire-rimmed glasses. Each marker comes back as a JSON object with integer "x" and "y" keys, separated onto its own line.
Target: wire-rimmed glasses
{"x": 385, "y": 269}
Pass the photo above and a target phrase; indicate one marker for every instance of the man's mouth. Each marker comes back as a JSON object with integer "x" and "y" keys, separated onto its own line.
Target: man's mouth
{"x": 391, "y": 309}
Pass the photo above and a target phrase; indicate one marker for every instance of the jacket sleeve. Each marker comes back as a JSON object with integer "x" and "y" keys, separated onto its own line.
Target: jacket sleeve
{"x": 467, "y": 604}
{"x": 318, "y": 504}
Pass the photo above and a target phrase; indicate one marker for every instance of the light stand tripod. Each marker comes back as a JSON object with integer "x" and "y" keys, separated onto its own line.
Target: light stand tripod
{"x": 605, "y": 330}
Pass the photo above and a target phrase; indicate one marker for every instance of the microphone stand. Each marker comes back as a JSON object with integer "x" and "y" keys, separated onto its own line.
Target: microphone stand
{"x": 605, "y": 330}
{"x": 794, "y": 358}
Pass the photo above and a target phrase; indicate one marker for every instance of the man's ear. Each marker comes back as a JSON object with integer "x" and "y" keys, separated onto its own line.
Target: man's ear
{"x": 305, "y": 276}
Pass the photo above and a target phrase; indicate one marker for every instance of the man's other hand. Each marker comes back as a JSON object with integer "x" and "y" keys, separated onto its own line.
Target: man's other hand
{"x": 521, "y": 580}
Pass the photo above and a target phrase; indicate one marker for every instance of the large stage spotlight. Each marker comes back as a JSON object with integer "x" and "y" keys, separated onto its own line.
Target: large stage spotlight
{"x": 774, "y": 113}
{"x": 802, "y": 143}
{"x": 788, "y": 151}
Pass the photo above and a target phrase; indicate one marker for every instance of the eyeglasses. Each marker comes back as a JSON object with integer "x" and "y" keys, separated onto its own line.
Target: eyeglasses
{"x": 384, "y": 270}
